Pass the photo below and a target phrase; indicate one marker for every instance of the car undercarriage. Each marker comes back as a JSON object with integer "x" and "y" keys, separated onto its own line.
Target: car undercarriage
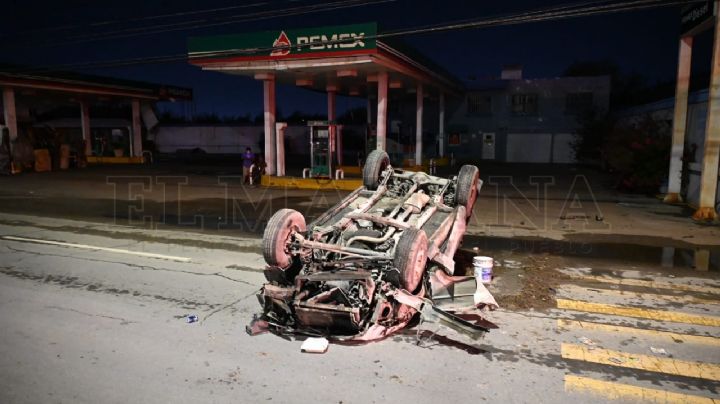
{"x": 370, "y": 264}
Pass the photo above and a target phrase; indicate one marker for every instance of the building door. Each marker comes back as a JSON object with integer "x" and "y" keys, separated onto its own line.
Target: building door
{"x": 529, "y": 147}
{"x": 488, "y": 146}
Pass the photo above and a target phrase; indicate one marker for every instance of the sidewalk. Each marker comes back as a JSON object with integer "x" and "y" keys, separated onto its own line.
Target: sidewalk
{"x": 537, "y": 202}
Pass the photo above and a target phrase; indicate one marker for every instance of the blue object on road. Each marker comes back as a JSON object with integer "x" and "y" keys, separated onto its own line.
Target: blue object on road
{"x": 191, "y": 319}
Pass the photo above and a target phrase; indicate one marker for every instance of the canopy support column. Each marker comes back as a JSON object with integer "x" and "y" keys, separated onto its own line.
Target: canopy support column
{"x": 269, "y": 115}
{"x": 85, "y": 127}
{"x": 338, "y": 133}
{"x": 711, "y": 156}
{"x": 137, "y": 150}
{"x": 280, "y": 147}
{"x": 369, "y": 111}
{"x": 441, "y": 125}
{"x": 418, "y": 124}
{"x": 679, "y": 121}
{"x": 382, "y": 110}
{"x": 9, "y": 112}
{"x": 331, "y": 96}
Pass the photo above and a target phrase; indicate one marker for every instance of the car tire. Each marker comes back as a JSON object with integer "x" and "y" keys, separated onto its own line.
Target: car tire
{"x": 466, "y": 188}
{"x": 376, "y": 162}
{"x": 411, "y": 258}
{"x": 277, "y": 233}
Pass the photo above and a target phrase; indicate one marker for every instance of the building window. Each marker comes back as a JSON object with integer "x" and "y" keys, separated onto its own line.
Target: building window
{"x": 577, "y": 103}
{"x": 479, "y": 104}
{"x": 524, "y": 104}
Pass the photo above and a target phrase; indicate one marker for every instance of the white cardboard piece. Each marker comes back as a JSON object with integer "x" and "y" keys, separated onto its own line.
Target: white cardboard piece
{"x": 314, "y": 345}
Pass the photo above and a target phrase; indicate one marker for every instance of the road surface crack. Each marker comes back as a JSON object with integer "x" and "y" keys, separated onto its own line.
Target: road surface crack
{"x": 123, "y": 321}
{"x": 227, "y": 306}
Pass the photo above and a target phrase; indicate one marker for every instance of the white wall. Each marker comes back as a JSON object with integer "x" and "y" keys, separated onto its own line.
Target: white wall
{"x": 211, "y": 139}
{"x": 225, "y": 139}
{"x": 234, "y": 139}
{"x": 528, "y": 147}
{"x": 540, "y": 148}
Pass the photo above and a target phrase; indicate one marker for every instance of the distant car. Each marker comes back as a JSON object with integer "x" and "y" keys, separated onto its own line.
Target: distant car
{"x": 367, "y": 266}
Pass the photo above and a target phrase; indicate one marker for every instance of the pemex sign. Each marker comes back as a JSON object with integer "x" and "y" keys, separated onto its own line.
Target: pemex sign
{"x": 697, "y": 17}
{"x": 292, "y": 43}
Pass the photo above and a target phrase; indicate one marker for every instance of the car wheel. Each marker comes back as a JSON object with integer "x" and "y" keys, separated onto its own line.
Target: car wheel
{"x": 466, "y": 188}
{"x": 411, "y": 258}
{"x": 377, "y": 161}
{"x": 277, "y": 234}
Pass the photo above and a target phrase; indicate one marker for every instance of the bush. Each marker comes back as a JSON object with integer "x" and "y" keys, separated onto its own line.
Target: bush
{"x": 638, "y": 154}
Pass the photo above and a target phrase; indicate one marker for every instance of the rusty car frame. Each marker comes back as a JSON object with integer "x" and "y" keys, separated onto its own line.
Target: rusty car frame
{"x": 367, "y": 266}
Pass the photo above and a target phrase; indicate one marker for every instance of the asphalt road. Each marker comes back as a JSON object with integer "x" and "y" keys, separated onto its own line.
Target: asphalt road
{"x": 82, "y": 324}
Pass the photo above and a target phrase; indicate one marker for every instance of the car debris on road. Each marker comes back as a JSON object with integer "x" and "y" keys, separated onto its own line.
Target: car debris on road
{"x": 366, "y": 267}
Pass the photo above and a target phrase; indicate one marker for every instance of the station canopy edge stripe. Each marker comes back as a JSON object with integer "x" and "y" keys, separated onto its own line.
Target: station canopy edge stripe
{"x": 268, "y": 58}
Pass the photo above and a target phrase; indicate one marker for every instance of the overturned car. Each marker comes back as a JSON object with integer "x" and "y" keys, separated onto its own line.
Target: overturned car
{"x": 366, "y": 267}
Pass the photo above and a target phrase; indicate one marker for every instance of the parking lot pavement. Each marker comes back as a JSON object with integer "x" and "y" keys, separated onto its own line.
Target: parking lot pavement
{"x": 96, "y": 313}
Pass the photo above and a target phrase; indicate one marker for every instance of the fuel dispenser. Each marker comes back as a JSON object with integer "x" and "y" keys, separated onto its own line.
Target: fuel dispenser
{"x": 322, "y": 144}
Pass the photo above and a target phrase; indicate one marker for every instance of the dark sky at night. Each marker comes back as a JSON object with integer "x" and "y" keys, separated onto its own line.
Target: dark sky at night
{"x": 641, "y": 41}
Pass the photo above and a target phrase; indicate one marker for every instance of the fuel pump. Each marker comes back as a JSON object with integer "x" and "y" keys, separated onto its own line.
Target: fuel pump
{"x": 322, "y": 144}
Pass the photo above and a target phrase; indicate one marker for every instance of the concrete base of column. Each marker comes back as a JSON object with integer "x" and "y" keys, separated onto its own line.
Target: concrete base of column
{"x": 673, "y": 198}
{"x": 706, "y": 214}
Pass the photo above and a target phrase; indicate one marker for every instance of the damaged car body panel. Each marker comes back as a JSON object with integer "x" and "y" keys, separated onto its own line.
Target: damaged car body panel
{"x": 366, "y": 267}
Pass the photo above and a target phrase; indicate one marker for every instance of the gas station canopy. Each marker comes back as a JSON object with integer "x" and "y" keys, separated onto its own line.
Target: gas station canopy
{"x": 347, "y": 60}
{"x": 344, "y": 57}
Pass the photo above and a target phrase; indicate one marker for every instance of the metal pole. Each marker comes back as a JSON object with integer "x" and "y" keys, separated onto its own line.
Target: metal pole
{"x": 679, "y": 120}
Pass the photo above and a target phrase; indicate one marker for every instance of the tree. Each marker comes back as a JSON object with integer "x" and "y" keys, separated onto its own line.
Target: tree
{"x": 591, "y": 135}
{"x": 626, "y": 89}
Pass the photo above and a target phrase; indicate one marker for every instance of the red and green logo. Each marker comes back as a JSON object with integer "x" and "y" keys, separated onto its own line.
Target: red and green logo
{"x": 282, "y": 42}
{"x": 356, "y": 38}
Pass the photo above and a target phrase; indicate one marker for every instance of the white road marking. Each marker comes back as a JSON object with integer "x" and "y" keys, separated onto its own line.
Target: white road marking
{"x": 96, "y": 248}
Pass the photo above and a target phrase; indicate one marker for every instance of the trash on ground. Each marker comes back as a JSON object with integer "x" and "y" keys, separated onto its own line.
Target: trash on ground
{"x": 314, "y": 345}
{"x": 587, "y": 341}
{"x": 372, "y": 263}
{"x": 616, "y": 360}
{"x": 512, "y": 264}
{"x": 483, "y": 269}
{"x": 191, "y": 318}
{"x": 482, "y": 296}
{"x": 658, "y": 351}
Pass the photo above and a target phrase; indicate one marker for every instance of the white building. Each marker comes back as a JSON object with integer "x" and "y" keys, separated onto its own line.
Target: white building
{"x": 524, "y": 120}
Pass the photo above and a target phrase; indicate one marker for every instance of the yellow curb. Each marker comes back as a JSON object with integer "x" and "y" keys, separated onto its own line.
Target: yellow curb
{"x": 310, "y": 183}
